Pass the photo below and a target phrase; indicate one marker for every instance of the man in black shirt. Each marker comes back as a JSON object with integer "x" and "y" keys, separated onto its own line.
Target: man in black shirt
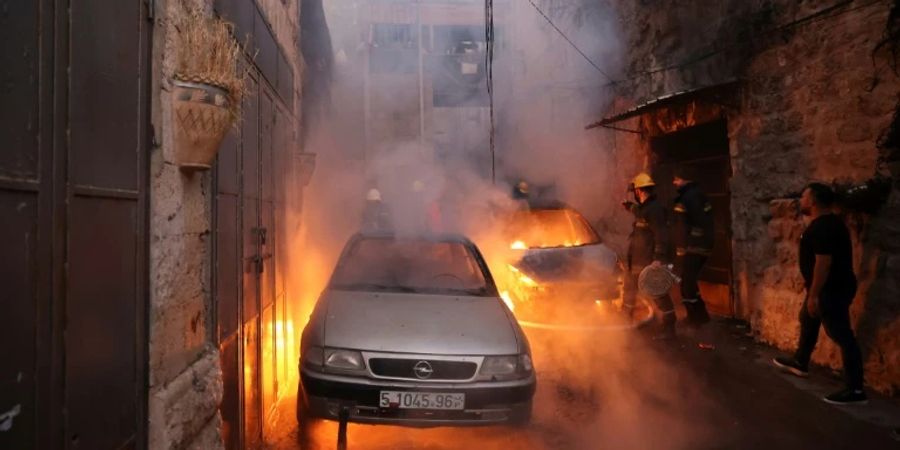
{"x": 826, "y": 262}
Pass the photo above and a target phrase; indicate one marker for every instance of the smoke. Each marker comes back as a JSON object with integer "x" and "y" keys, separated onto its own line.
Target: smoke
{"x": 608, "y": 389}
{"x": 553, "y": 92}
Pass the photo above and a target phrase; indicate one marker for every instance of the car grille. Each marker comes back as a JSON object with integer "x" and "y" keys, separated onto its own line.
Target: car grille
{"x": 404, "y": 368}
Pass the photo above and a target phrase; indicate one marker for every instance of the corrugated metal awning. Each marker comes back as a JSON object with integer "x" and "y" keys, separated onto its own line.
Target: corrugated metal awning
{"x": 705, "y": 92}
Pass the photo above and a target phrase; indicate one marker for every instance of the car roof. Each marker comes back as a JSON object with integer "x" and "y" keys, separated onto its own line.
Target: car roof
{"x": 548, "y": 204}
{"x": 432, "y": 237}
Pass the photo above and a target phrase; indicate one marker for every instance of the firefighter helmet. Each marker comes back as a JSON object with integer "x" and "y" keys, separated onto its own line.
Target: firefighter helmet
{"x": 642, "y": 180}
{"x": 522, "y": 187}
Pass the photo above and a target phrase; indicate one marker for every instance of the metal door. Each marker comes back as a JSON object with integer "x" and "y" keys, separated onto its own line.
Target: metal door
{"x": 245, "y": 212}
{"x": 703, "y": 149}
{"x": 228, "y": 290}
{"x": 245, "y": 272}
{"x": 265, "y": 250}
{"x": 73, "y": 197}
{"x": 26, "y": 210}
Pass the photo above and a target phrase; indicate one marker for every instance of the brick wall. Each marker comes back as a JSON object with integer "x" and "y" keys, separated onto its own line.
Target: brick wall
{"x": 810, "y": 105}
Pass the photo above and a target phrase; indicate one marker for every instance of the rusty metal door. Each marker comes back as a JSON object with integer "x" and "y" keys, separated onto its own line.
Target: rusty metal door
{"x": 244, "y": 276}
{"x": 266, "y": 250}
{"x": 250, "y": 236}
{"x": 703, "y": 150}
{"x": 227, "y": 276}
{"x": 249, "y": 319}
{"x": 73, "y": 196}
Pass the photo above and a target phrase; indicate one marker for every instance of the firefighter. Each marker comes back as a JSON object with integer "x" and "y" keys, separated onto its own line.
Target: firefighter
{"x": 520, "y": 195}
{"x": 693, "y": 242}
{"x": 647, "y": 244}
{"x": 376, "y": 217}
{"x": 520, "y": 190}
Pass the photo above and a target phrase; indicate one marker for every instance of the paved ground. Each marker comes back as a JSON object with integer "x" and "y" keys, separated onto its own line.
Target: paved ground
{"x": 626, "y": 392}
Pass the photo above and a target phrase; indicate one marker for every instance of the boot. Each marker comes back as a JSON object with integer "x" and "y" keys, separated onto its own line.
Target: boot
{"x": 667, "y": 328}
{"x": 697, "y": 315}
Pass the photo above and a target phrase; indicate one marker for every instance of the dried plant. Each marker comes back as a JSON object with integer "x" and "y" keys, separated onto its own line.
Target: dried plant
{"x": 207, "y": 52}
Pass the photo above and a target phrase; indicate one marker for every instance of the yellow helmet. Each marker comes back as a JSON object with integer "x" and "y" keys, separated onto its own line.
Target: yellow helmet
{"x": 642, "y": 180}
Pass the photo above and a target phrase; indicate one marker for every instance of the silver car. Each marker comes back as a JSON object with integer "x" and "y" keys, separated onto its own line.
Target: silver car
{"x": 412, "y": 331}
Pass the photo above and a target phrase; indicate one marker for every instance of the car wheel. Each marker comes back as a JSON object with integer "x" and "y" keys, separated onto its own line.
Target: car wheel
{"x": 521, "y": 416}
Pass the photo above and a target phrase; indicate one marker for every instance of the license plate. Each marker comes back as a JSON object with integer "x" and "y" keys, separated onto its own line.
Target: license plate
{"x": 422, "y": 400}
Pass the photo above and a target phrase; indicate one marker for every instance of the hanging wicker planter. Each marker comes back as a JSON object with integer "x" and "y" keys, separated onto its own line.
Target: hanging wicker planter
{"x": 208, "y": 87}
{"x": 202, "y": 118}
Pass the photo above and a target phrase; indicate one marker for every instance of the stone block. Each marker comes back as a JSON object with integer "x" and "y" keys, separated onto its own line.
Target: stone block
{"x": 783, "y": 208}
{"x": 855, "y": 131}
{"x": 210, "y": 437}
{"x": 181, "y": 411}
{"x": 177, "y": 337}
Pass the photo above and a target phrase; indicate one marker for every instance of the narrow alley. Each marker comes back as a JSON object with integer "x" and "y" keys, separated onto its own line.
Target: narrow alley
{"x": 450, "y": 224}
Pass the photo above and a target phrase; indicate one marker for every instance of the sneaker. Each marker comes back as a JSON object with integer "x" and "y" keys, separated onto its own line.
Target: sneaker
{"x": 847, "y": 397}
{"x": 790, "y": 365}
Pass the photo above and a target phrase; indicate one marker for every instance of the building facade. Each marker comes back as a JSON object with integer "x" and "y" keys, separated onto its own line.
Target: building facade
{"x": 762, "y": 98}
{"x": 149, "y": 302}
{"x": 419, "y": 76}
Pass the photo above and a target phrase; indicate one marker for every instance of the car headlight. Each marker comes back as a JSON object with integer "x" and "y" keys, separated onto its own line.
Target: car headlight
{"x": 525, "y": 363}
{"x": 506, "y": 367}
{"x": 314, "y": 357}
{"x": 344, "y": 359}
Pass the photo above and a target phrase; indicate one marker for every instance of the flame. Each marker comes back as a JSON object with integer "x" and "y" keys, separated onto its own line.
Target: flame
{"x": 525, "y": 279}
{"x": 518, "y": 245}
{"x": 508, "y": 300}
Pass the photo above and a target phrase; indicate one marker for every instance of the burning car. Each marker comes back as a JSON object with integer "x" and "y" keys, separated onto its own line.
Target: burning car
{"x": 561, "y": 271}
{"x": 412, "y": 331}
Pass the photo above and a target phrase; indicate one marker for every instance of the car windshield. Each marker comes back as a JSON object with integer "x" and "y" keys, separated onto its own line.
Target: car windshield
{"x": 421, "y": 266}
{"x": 547, "y": 228}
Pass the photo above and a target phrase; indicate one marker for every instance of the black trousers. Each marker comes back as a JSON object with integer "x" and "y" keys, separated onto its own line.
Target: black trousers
{"x": 834, "y": 315}
{"x": 691, "y": 265}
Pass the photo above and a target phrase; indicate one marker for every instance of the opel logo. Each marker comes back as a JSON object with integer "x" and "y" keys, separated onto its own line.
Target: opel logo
{"x": 423, "y": 370}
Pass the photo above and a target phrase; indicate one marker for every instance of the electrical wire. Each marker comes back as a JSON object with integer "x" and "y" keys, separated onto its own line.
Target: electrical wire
{"x": 489, "y": 77}
{"x": 574, "y": 46}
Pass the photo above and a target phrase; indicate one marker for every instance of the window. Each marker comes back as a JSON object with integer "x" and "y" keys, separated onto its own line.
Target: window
{"x": 419, "y": 266}
{"x": 547, "y": 228}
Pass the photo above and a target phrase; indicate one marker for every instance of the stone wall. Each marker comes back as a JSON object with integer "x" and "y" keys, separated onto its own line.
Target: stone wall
{"x": 810, "y": 105}
{"x": 185, "y": 375}
{"x": 185, "y": 380}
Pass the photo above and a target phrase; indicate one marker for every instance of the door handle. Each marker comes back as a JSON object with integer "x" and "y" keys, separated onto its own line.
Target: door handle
{"x": 261, "y": 234}
{"x": 260, "y": 262}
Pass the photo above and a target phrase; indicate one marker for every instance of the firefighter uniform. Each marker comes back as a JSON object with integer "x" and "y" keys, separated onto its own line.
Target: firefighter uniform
{"x": 647, "y": 243}
{"x": 693, "y": 245}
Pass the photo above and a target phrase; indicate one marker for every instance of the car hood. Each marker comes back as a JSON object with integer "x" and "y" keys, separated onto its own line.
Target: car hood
{"x": 418, "y": 323}
{"x": 561, "y": 264}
